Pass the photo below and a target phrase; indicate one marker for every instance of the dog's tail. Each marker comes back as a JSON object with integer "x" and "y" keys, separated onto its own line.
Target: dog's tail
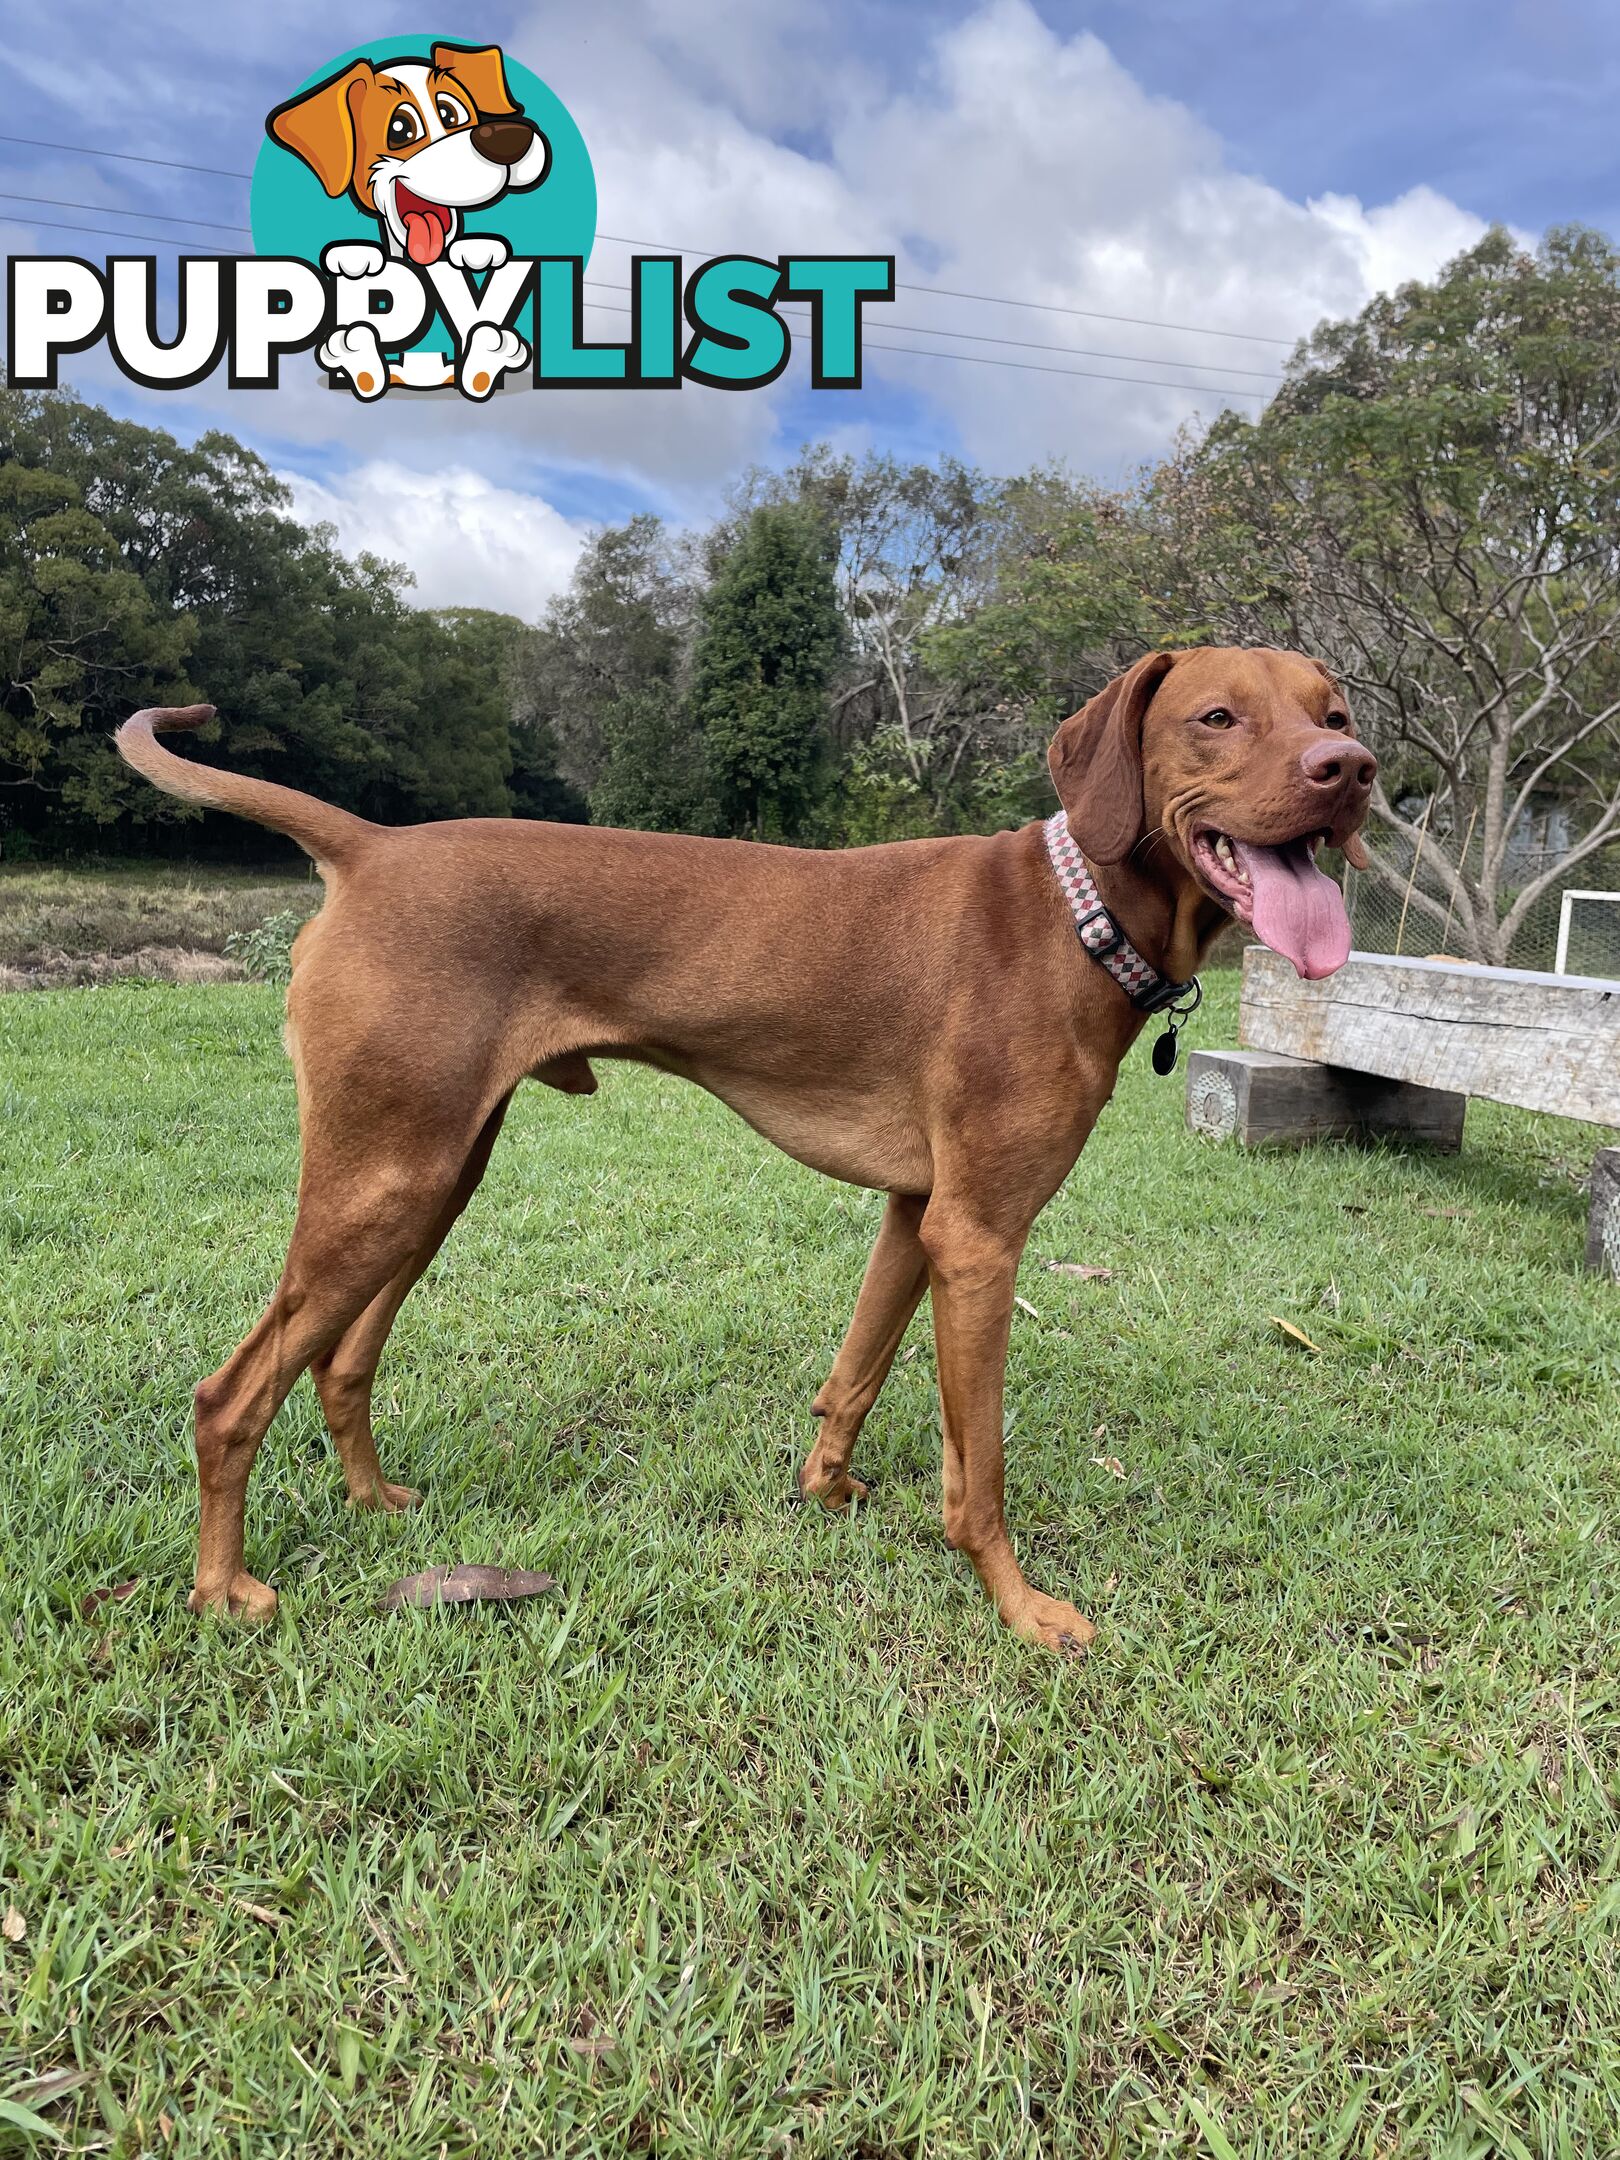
{"x": 330, "y": 835}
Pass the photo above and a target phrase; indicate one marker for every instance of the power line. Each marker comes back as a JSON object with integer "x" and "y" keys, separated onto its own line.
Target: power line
{"x": 956, "y": 337}
{"x": 667, "y": 247}
{"x": 1050, "y": 307}
{"x": 129, "y": 157}
{"x": 154, "y": 217}
{"x": 1033, "y": 367}
{"x": 980, "y": 337}
{"x": 923, "y": 352}
{"x": 109, "y": 232}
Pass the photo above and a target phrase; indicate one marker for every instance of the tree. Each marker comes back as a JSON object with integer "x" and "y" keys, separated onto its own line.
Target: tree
{"x": 770, "y": 639}
{"x": 498, "y": 648}
{"x": 917, "y": 547}
{"x": 653, "y": 775}
{"x": 1432, "y": 503}
{"x": 624, "y": 627}
{"x": 138, "y": 570}
{"x": 84, "y": 643}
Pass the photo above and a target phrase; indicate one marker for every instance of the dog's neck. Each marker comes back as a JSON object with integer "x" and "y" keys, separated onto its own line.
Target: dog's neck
{"x": 1170, "y": 920}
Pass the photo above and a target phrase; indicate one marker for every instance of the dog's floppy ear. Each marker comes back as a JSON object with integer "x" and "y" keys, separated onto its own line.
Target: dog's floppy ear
{"x": 1096, "y": 762}
{"x": 480, "y": 72}
{"x": 318, "y": 126}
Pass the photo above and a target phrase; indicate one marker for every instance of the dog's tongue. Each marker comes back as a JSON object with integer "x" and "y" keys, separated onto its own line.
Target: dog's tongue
{"x": 1298, "y": 910}
{"x": 424, "y": 237}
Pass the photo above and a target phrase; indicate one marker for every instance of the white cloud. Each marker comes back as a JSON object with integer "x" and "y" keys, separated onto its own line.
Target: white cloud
{"x": 1010, "y": 160}
{"x": 469, "y": 542}
{"x": 993, "y": 154}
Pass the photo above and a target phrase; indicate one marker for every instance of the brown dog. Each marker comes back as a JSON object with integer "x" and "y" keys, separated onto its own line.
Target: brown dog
{"x": 918, "y": 1018}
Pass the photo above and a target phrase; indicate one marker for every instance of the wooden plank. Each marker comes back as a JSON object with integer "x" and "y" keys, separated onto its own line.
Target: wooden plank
{"x": 1603, "y": 1222}
{"x": 1261, "y": 1099}
{"x": 1541, "y": 1042}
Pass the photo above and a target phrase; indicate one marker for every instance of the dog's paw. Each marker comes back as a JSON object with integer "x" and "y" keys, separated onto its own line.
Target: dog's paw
{"x": 355, "y": 352}
{"x": 1052, "y": 1623}
{"x": 490, "y": 353}
{"x": 385, "y": 1499}
{"x": 244, "y": 1598}
{"x": 477, "y": 251}
{"x": 352, "y": 259}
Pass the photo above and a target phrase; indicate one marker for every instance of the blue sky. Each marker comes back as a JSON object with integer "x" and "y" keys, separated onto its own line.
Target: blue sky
{"x": 1244, "y": 167}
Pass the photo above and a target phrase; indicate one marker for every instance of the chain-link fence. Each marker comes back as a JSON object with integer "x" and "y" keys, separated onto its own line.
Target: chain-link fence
{"x": 1386, "y": 915}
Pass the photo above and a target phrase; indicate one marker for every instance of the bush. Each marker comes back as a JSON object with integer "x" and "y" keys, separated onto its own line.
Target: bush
{"x": 266, "y": 952}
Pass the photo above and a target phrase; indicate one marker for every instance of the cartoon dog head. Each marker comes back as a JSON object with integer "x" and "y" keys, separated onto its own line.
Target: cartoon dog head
{"x": 416, "y": 142}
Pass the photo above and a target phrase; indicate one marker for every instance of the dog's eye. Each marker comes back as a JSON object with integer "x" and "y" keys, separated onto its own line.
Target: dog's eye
{"x": 1337, "y": 719}
{"x": 1220, "y": 717}
{"x": 451, "y": 113}
{"x": 403, "y": 128}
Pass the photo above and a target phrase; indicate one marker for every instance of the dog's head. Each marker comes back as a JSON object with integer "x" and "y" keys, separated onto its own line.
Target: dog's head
{"x": 416, "y": 142}
{"x": 1225, "y": 769}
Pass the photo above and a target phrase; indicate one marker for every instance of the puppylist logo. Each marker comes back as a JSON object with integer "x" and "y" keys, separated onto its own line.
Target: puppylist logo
{"x": 422, "y": 213}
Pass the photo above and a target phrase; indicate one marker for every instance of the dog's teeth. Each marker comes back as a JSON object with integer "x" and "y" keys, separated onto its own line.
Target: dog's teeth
{"x": 1228, "y": 861}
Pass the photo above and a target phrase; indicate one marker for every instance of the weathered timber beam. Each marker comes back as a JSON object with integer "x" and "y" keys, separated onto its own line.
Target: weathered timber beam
{"x": 1262, "y": 1099}
{"x": 1541, "y": 1042}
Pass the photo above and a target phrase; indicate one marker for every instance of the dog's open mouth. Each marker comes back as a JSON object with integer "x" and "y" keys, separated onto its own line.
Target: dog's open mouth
{"x": 1290, "y": 904}
{"x": 427, "y": 224}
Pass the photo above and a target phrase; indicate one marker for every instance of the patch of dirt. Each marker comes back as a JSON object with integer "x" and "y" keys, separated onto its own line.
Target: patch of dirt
{"x": 153, "y": 963}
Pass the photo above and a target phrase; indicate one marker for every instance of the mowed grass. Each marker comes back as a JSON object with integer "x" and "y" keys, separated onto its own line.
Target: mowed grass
{"x": 80, "y": 923}
{"x": 760, "y": 1837}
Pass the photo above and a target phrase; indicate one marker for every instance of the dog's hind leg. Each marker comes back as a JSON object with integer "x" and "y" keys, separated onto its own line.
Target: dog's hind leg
{"x": 344, "y": 1375}
{"x": 365, "y": 1208}
{"x": 896, "y": 1276}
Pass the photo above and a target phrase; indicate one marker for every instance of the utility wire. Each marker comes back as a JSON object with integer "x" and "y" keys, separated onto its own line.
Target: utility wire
{"x": 1033, "y": 367}
{"x": 957, "y": 337}
{"x": 666, "y": 247}
{"x": 153, "y": 217}
{"x": 923, "y": 352}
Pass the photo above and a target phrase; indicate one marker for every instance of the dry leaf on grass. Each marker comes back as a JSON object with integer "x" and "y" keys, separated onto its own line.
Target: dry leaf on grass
{"x": 1110, "y": 1463}
{"x": 13, "y": 1927}
{"x": 261, "y": 1913}
{"x": 1024, "y": 1305}
{"x": 1081, "y": 1270}
{"x": 1295, "y": 1334}
{"x": 115, "y": 1593}
{"x": 463, "y": 1584}
{"x": 51, "y": 2085}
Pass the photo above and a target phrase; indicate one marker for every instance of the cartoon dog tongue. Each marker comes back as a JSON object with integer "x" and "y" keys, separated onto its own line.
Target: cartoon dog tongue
{"x": 1298, "y": 910}
{"x": 424, "y": 237}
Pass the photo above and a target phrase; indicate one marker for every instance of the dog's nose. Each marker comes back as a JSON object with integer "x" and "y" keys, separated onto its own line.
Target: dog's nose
{"x": 503, "y": 142}
{"x": 1338, "y": 763}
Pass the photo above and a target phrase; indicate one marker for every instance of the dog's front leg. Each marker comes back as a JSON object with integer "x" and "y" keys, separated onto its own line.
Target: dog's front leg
{"x": 478, "y": 251}
{"x": 488, "y": 354}
{"x": 972, "y": 1268}
{"x": 356, "y": 352}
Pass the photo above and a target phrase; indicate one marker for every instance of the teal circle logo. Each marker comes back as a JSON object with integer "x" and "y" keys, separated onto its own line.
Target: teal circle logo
{"x": 420, "y": 148}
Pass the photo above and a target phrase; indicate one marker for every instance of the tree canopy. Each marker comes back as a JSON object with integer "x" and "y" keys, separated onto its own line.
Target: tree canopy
{"x": 864, "y": 649}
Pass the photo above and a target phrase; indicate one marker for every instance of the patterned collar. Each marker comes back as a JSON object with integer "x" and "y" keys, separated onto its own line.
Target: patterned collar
{"x": 1101, "y": 935}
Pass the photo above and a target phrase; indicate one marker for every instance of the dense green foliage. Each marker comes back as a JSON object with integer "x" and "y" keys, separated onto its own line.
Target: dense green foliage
{"x": 861, "y": 649}
{"x": 769, "y": 637}
{"x": 762, "y": 1836}
{"x": 134, "y": 571}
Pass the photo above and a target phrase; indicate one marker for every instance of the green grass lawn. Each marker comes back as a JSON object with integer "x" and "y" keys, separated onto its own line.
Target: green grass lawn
{"x": 761, "y": 1837}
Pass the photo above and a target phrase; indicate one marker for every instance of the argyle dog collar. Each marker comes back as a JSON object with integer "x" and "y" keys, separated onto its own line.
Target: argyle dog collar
{"x": 1100, "y": 934}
